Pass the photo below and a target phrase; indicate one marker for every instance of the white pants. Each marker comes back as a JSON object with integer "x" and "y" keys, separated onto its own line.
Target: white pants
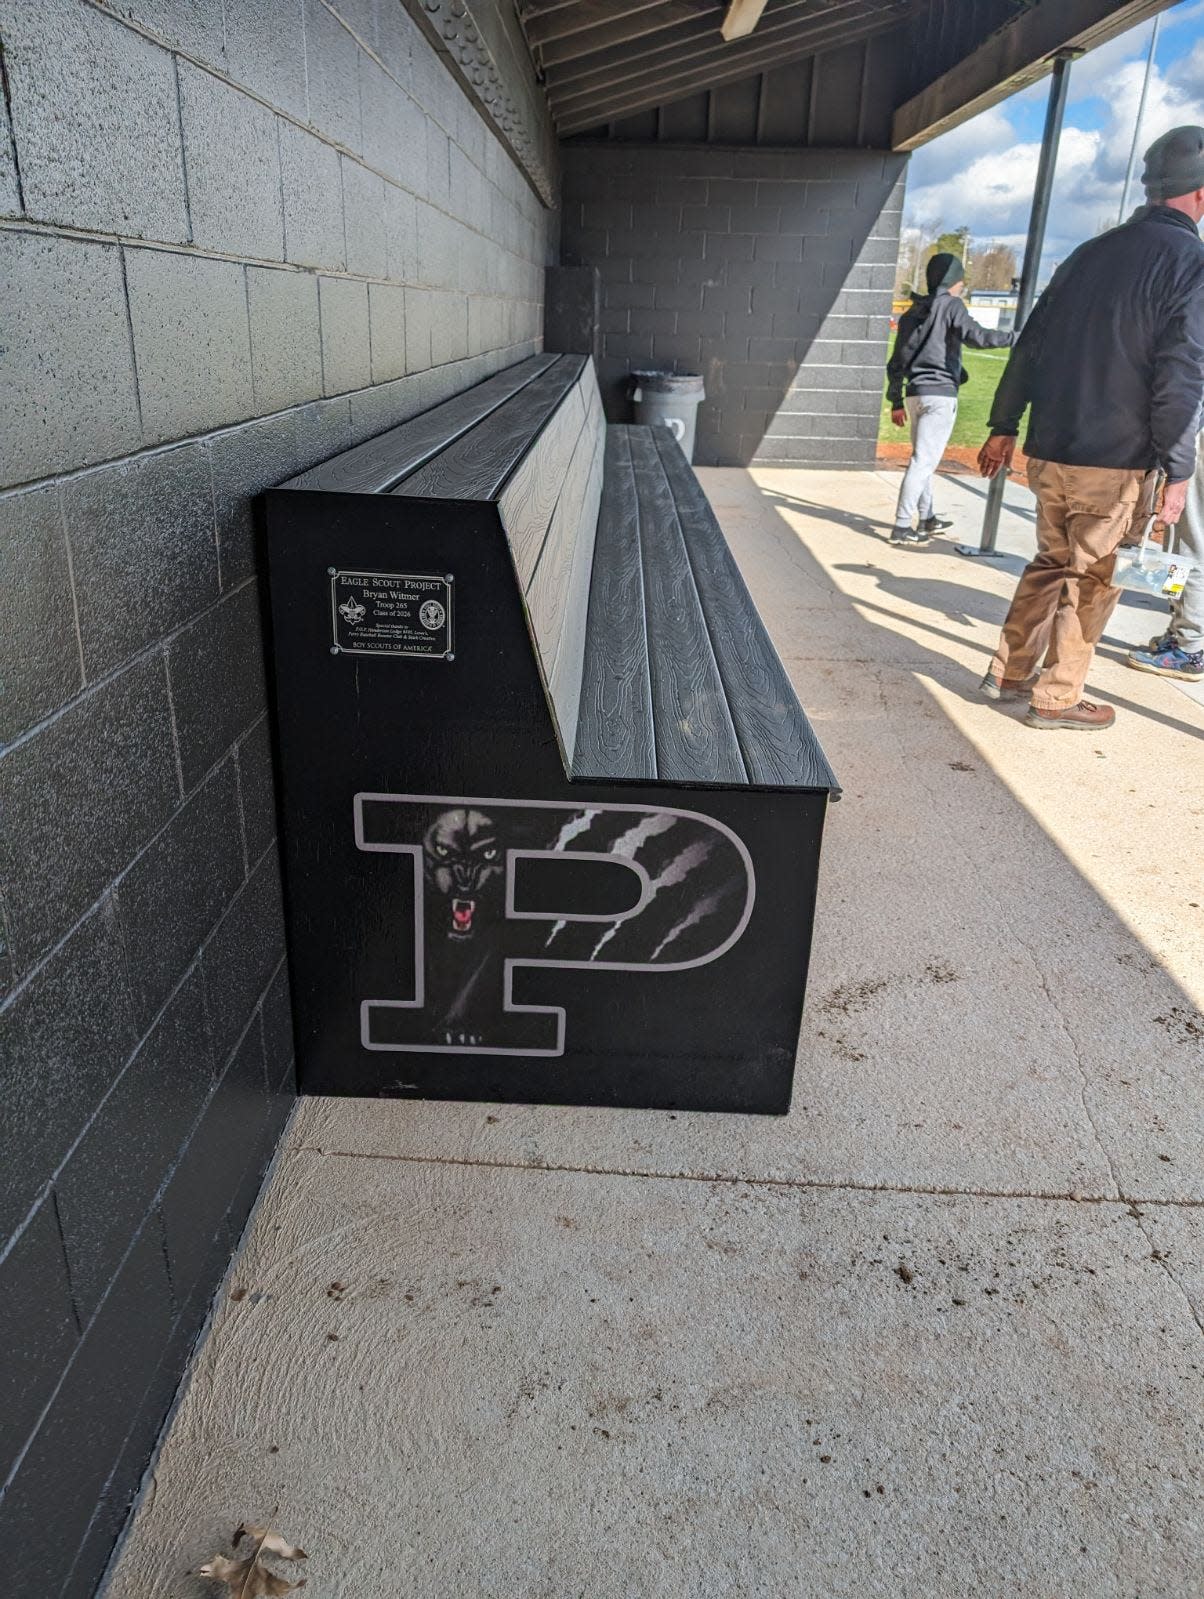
{"x": 1187, "y": 613}
{"x": 932, "y": 418}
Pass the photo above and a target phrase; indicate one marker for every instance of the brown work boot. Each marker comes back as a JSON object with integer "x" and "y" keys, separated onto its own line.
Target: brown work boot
{"x": 1084, "y": 717}
{"x": 1006, "y": 688}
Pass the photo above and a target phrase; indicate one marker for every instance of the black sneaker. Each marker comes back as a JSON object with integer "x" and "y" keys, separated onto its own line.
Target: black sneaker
{"x": 905, "y": 535}
{"x": 1008, "y": 688}
{"x": 935, "y": 524}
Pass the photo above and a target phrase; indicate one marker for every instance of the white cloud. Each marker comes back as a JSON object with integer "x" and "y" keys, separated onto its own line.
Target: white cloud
{"x": 981, "y": 175}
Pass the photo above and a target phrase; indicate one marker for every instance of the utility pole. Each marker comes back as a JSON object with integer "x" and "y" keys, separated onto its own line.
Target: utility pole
{"x": 1054, "y": 113}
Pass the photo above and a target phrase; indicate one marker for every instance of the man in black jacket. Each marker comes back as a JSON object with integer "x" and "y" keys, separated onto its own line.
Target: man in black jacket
{"x": 1112, "y": 363}
{"x": 923, "y": 376}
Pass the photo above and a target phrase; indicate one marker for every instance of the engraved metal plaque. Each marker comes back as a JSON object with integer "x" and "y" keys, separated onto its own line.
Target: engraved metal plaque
{"x": 391, "y": 613}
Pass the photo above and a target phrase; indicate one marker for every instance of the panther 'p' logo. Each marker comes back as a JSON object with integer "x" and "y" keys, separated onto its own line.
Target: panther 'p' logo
{"x": 624, "y": 888}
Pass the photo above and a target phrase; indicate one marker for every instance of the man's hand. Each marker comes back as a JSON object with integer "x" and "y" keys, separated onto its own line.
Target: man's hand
{"x": 899, "y": 416}
{"x": 996, "y": 454}
{"x": 1173, "y": 502}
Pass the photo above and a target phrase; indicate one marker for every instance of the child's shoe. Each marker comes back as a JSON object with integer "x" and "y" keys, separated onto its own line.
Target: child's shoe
{"x": 1166, "y": 659}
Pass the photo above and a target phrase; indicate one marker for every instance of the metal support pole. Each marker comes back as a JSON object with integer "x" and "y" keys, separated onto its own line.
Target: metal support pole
{"x": 1058, "y": 89}
{"x": 1145, "y": 90}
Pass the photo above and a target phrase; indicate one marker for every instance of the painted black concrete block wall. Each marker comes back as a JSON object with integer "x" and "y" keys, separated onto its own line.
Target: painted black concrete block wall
{"x": 295, "y": 231}
{"x": 768, "y": 271}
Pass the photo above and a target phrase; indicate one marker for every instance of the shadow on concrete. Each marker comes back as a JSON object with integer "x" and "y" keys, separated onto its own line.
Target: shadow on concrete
{"x": 853, "y": 520}
{"x": 982, "y": 607}
{"x": 978, "y": 487}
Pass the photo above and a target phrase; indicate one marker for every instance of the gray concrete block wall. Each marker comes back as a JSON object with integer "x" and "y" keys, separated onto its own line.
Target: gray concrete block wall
{"x": 235, "y": 239}
{"x": 768, "y": 271}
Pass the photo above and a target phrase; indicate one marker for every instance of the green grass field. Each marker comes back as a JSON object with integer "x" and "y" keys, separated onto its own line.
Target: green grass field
{"x": 974, "y": 403}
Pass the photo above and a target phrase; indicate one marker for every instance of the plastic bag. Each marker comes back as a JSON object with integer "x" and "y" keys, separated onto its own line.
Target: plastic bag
{"x": 1148, "y": 569}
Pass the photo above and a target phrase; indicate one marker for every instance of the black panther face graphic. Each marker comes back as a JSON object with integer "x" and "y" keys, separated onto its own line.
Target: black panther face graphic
{"x": 464, "y": 864}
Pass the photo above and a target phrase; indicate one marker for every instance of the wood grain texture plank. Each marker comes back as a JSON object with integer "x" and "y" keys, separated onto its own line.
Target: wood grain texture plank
{"x": 478, "y": 464}
{"x": 614, "y": 726}
{"x": 376, "y": 465}
{"x": 695, "y": 738}
{"x": 565, "y": 680}
{"x": 528, "y": 501}
{"x": 547, "y": 592}
{"x": 778, "y": 743}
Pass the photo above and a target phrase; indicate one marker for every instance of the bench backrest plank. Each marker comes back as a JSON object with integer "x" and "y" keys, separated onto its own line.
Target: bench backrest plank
{"x": 528, "y": 501}
{"x": 552, "y": 560}
{"x": 478, "y": 464}
{"x": 615, "y": 730}
{"x": 777, "y": 742}
{"x": 695, "y": 738}
{"x": 376, "y": 465}
{"x": 566, "y": 566}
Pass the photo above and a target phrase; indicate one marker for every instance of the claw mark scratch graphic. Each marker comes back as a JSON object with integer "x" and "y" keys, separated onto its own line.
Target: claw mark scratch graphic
{"x": 678, "y": 868}
{"x": 571, "y": 829}
{"x": 575, "y": 826}
{"x": 634, "y": 840}
{"x": 703, "y": 908}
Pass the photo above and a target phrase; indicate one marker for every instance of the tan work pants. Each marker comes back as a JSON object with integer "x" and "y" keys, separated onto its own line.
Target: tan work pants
{"x": 1065, "y": 594}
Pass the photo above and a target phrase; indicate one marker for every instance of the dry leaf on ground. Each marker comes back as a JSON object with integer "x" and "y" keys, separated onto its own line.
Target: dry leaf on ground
{"x": 270, "y": 1543}
{"x": 249, "y": 1578}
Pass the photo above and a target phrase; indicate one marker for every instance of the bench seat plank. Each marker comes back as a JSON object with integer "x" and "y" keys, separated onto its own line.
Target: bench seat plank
{"x": 778, "y": 743}
{"x": 614, "y": 729}
{"x": 376, "y": 465}
{"x": 695, "y": 738}
{"x": 477, "y": 464}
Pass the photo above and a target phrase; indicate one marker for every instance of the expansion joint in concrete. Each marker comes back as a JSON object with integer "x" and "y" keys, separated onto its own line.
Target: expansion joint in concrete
{"x": 804, "y": 1184}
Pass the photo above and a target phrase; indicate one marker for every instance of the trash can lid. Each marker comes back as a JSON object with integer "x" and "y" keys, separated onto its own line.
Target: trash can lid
{"x": 669, "y": 382}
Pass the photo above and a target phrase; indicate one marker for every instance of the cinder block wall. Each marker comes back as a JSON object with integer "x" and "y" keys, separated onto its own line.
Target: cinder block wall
{"x": 768, "y": 271}
{"x": 235, "y": 239}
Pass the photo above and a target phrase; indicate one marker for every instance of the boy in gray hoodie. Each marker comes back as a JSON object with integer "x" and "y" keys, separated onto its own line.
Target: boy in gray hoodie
{"x": 923, "y": 376}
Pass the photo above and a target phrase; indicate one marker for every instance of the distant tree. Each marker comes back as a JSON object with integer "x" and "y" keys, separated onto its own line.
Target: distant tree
{"x": 950, "y": 242}
{"x": 954, "y": 242}
{"x": 995, "y": 267}
{"x": 912, "y": 245}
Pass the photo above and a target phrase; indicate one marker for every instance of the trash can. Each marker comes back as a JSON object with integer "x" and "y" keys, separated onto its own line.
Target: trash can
{"x": 669, "y": 399}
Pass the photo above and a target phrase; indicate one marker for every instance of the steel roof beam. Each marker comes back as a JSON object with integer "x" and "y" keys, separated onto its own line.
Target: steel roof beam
{"x": 1018, "y": 54}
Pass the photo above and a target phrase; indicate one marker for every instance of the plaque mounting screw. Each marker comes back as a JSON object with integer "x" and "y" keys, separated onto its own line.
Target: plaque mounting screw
{"x": 334, "y": 649}
{"x": 449, "y": 656}
{"x": 449, "y": 577}
{"x": 332, "y": 571}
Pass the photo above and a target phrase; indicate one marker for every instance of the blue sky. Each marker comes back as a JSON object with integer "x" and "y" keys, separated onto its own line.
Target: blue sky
{"x": 981, "y": 174}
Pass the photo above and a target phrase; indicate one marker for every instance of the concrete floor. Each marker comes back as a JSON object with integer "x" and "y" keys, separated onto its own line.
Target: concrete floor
{"x": 936, "y": 1333}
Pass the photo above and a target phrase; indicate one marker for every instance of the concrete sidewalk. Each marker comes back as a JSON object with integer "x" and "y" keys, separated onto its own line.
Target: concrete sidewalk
{"x": 936, "y": 1333}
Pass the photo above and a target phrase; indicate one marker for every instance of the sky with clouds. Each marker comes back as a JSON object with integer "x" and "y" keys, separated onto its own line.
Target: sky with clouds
{"x": 981, "y": 174}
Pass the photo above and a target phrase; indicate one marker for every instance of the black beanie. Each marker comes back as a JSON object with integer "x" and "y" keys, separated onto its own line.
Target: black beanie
{"x": 943, "y": 271}
{"x": 1174, "y": 164}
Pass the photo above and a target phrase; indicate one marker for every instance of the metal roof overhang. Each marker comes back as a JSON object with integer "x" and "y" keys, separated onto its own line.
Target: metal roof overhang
{"x": 1010, "y": 59}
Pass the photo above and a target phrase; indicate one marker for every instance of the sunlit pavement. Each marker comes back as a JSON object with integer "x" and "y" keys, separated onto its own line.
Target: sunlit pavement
{"x": 935, "y": 1333}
